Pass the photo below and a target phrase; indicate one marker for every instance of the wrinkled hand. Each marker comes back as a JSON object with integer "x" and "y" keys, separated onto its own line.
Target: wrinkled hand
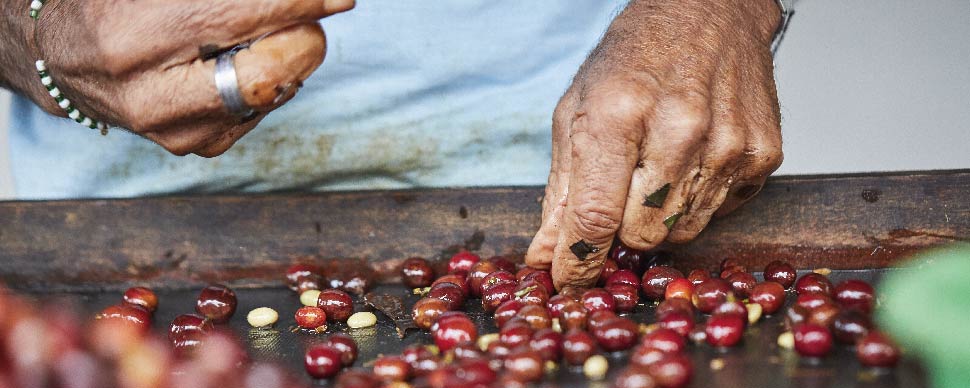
{"x": 672, "y": 119}
{"x": 138, "y": 64}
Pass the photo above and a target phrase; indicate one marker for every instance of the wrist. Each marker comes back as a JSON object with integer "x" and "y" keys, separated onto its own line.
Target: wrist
{"x": 17, "y": 58}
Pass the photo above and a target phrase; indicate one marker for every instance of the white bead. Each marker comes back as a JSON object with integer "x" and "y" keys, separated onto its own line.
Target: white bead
{"x": 47, "y": 80}
{"x": 64, "y": 104}
{"x": 74, "y": 114}
{"x": 36, "y": 5}
{"x": 102, "y": 126}
{"x": 55, "y": 92}
{"x": 86, "y": 122}
{"x": 40, "y": 65}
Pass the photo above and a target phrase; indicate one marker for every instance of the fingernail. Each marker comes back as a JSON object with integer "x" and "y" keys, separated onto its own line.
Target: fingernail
{"x": 657, "y": 198}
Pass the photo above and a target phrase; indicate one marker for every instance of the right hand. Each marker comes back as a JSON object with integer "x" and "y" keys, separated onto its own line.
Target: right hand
{"x": 138, "y": 65}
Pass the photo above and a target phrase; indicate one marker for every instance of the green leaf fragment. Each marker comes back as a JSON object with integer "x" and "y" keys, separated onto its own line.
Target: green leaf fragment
{"x": 656, "y": 200}
{"x": 671, "y": 220}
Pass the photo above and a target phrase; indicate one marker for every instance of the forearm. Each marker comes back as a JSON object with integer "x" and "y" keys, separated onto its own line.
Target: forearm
{"x": 760, "y": 17}
{"x": 16, "y": 61}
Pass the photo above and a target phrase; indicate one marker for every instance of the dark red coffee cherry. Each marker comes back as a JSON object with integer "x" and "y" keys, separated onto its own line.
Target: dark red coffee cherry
{"x": 131, "y": 315}
{"x": 679, "y": 288}
{"x": 674, "y": 304}
{"x": 309, "y": 282}
{"x": 297, "y": 271}
{"x": 322, "y": 361}
{"x": 732, "y": 307}
{"x": 624, "y": 276}
{"x": 426, "y": 365}
{"x": 823, "y": 315}
{"x": 536, "y": 315}
{"x": 555, "y": 305}
{"x": 780, "y": 272}
{"x": 337, "y": 304}
{"x": 392, "y": 368}
{"x": 664, "y": 339}
{"x": 357, "y": 379}
{"x": 427, "y": 310}
{"x": 543, "y": 278}
{"x": 462, "y": 262}
{"x": 503, "y": 263}
{"x": 724, "y": 330}
{"x": 627, "y": 258}
{"x": 531, "y": 292}
{"x": 679, "y": 321}
{"x": 311, "y": 317}
{"x": 616, "y": 334}
{"x": 851, "y": 325}
{"x": 496, "y": 295}
{"x": 516, "y": 332}
{"x": 476, "y": 373}
{"x": 577, "y": 346}
{"x": 216, "y": 302}
{"x": 457, "y": 279}
{"x": 655, "y": 280}
{"x": 625, "y": 296}
{"x": 674, "y": 370}
{"x": 413, "y": 352}
{"x": 416, "y": 272}
{"x": 710, "y": 294}
{"x": 596, "y": 319}
{"x": 494, "y": 278}
{"x": 597, "y": 299}
{"x": 609, "y": 267}
{"x": 813, "y": 283}
{"x": 188, "y": 323}
{"x": 498, "y": 350}
{"x": 573, "y": 315}
{"x": 506, "y": 311}
{"x": 812, "y": 340}
{"x": 812, "y": 300}
{"x": 645, "y": 356}
{"x": 877, "y": 350}
{"x": 855, "y": 294}
{"x": 453, "y": 328}
{"x": 795, "y": 315}
{"x": 477, "y": 275}
{"x": 634, "y": 376}
{"x": 548, "y": 343}
{"x": 524, "y": 364}
{"x": 770, "y": 295}
{"x": 142, "y": 296}
{"x": 522, "y": 273}
{"x": 346, "y": 345}
{"x": 696, "y": 276}
{"x": 741, "y": 283}
{"x": 448, "y": 292}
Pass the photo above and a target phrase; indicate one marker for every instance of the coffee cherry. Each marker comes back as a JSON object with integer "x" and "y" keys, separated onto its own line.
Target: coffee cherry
{"x": 357, "y": 379}
{"x": 458, "y": 279}
{"x": 143, "y": 297}
{"x": 322, "y": 361}
{"x": 697, "y": 276}
{"x": 308, "y": 282}
{"x": 679, "y": 321}
{"x": 609, "y": 267}
{"x": 780, "y": 272}
{"x": 216, "y": 302}
{"x": 522, "y": 273}
{"x": 531, "y": 292}
{"x": 877, "y": 350}
{"x": 548, "y": 343}
{"x": 498, "y": 350}
{"x": 795, "y": 315}
{"x": 536, "y": 316}
{"x": 297, "y": 271}
{"x": 476, "y": 373}
{"x": 666, "y": 340}
{"x": 812, "y": 340}
{"x": 337, "y": 304}
{"x": 311, "y": 317}
{"x": 188, "y": 323}
{"x": 634, "y": 376}
{"x": 515, "y": 333}
{"x": 597, "y": 299}
{"x": 467, "y": 351}
{"x": 506, "y": 311}
{"x": 710, "y": 294}
{"x": 462, "y": 262}
{"x": 741, "y": 283}
{"x": 555, "y": 305}
{"x": 345, "y": 345}
{"x": 616, "y": 334}
{"x": 724, "y": 330}
{"x": 427, "y": 310}
{"x": 823, "y": 315}
{"x": 655, "y": 281}
{"x": 453, "y": 328}
{"x": 426, "y": 365}
{"x": 496, "y": 295}
{"x": 416, "y": 272}
{"x": 625, "y": 296}
{"x": 627, "y": 258}
{"x": 573, "y": 315}
{"x": 770, "y": 295}
{"x": 524, "y": 365}
{"x": 855, "y": 294}
{"x": 477, "y": 274}
{"x": 812, "y": 300}
{"x": 851, "y": 325}
{"x": 674, "y": 304}
{"x": 732, "y": 307}
{"x": 543, "y": 278}
{"x": 413, "y": 352}
{"x": 131, "y": 315}
{"x": 502, "y": 263}
{"x": 672, "y": 371}
{"x": 813, "y": 283}
{"x": 596, "y": 319}
{"x": 494, "y": 278}
{"x": 645, "y": 356}
{"x": 679, "y": 288}
{"x": 448, "y": 292}
{"x": 577, "y": 346}
{"x": 624, "y": 276}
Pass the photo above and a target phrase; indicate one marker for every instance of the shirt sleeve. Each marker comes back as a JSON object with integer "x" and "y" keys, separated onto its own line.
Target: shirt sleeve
{"x": 787, "y": 11}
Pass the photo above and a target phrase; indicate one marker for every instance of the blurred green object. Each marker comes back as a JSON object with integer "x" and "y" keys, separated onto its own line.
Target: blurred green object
{"x": 926, "y": 308}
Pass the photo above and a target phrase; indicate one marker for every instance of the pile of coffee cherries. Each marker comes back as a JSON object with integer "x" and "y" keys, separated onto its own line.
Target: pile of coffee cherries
{"x": 51, "y": 346}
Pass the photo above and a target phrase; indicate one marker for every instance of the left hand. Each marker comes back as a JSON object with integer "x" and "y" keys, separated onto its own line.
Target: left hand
{"x": 672, "y": 119}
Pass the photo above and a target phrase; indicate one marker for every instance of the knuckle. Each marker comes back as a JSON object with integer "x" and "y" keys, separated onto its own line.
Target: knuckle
{"x": 765, "y": 160}
{"x": 621, "y": 106}
{"x": 597, "y": 222}
{"x": 687, "y": 114}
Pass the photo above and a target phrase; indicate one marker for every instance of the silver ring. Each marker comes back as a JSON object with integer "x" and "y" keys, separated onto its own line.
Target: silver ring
{"x": 228, "y": 84}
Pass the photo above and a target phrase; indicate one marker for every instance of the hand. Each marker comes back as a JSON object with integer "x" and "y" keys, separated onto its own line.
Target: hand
{"x": 672, "y": 119}
{"x": 138, "y": 64}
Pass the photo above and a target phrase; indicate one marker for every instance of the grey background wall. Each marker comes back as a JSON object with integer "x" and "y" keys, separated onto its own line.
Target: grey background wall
{"x": 865, "y": 85}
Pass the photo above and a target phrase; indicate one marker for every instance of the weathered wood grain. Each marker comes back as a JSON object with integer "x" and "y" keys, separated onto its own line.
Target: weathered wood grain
{"x": 848, "y": 221}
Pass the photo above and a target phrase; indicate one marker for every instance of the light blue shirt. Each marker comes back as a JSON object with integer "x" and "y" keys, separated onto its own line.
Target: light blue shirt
{"x": 411, "y": 94}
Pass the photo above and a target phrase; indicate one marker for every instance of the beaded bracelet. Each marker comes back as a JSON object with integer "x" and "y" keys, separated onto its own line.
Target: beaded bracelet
{"x": 45, "y": 78}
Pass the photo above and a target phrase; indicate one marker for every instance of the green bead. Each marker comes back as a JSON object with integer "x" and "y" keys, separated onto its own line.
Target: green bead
{"x": 94, "y": 125}
{"x": 43, "y": 73}
{"x": 70, "y": 109}
{"x": 34, "y": 15}
{"x": 59, "y": 98}
{"x": 80, "y": 118}
{"x": 50, "y": 87}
